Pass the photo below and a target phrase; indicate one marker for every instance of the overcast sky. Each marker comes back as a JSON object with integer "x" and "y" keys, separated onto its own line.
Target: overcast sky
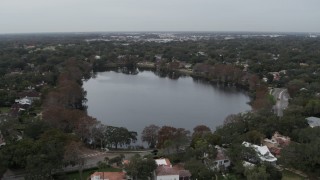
{"x": 20, "y": 16}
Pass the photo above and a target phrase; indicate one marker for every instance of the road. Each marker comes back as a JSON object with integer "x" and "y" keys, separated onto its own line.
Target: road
{"x": 282, "y": 100}
{"x": 91, "y": 158}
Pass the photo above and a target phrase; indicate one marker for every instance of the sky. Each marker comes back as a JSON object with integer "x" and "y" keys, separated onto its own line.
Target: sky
{"x": 29, "y": 16}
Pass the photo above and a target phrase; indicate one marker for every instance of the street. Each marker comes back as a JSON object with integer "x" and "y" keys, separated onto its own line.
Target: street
{"x": 282, "y": 100}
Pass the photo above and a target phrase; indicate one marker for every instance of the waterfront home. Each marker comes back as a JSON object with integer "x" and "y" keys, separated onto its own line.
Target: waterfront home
{"x": 263, "y": 153}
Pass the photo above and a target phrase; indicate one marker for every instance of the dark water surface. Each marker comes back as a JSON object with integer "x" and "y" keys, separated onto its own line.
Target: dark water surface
{"x": 135, "y": 101}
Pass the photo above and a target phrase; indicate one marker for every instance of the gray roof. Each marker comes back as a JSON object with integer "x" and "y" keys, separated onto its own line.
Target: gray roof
{"x": 313, "y": 121}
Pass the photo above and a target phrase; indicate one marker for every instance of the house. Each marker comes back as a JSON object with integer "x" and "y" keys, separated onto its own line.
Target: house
{"x": 313, "y": 121}
{"x": 276, "y": 143}
{"x": 165, "y": 171}
{"x": 108, "y": 176}
{"x": 24, "y": 101}
{"x": 221, "y": 160}
{"x": 171, "y": 173}
{"x": 32, "y": 95}
{"x": 276, "y": 76}
{"x": 200, "y": 53}
{"x": 158, "y": 57}
{"x": 263, "y": 153}
{"x": 163, "y": 162}
{"x": 2, "y": 142}
{"x": 16, "y": 108}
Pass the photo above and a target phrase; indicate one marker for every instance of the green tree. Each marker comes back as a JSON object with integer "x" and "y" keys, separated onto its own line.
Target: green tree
{"x": 140, "y": 168}
{"x": 254, "y": 173}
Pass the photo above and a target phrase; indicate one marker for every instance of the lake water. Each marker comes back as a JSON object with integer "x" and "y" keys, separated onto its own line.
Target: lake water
{"x": 136, "y": 101}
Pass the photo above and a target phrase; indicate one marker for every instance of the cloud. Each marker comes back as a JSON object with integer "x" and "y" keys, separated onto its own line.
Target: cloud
{"x": 153, "y": 15}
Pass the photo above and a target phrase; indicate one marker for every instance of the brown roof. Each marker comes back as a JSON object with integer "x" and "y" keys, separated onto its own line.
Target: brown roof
{"x": 29, "y": 94}
{"x": 166, "y": 170}
{"x": 110, "y": 175}
{"x": 184, "y": 173}
{"x": 175, "y": 170}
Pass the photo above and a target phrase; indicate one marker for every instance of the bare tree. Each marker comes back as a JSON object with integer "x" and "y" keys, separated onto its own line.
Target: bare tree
{"x": 150, "y": 135}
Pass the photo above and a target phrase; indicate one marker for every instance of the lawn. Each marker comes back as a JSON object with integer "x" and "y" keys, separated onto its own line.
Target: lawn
{"x": 4, "y": 109}
{"x": 288, "y": 175}
{"x": 75, "y": 175}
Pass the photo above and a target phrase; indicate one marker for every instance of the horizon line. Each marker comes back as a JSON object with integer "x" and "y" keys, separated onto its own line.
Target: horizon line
{"x": 165, "y": 31}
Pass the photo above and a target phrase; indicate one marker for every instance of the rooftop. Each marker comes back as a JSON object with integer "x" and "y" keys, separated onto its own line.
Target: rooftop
{"x": 175, "y": 170}
{"x": 108, "y": 176}
{"x": 313, "y": 121}
{"x": 163, "y": 162}
{"x": 263, "y": 152}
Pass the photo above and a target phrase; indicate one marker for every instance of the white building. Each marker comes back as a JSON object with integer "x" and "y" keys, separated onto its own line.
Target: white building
{"x": 24, "y": 101}
{"x": 313, "y": 121}
{"x": 263, "y": 152}
{"x": 221, "y": 160}
{"x": 163, "y": 162}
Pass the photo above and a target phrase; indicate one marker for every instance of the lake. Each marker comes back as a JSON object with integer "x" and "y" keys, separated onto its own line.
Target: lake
{"x": 136, "y": 101}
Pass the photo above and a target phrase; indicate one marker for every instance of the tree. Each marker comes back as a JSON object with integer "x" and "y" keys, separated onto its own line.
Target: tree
{"x": 140, "y": 168}
{"x": 307, "y": 156}
{"x": 201, "y": 129}
{"x": 254, "y": 173}
{"x": 254, "y": 136}
{"x": 47, "y": 156}
{"x": 179, "y": 137}
{"x": 150, "y": 135}
{"x": 119, "y": 136}
{"x": 98, "y": 134}
{"x": 199, "y": 170}
{"x": 72, "y": 156}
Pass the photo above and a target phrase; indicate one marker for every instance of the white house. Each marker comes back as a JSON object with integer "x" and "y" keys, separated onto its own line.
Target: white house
{"x": 24, "y": 101}
{"x": 221, "y": 160}
{"x": 163, "y": 162}
{"x": 263, "y": 152}
{"x": 313, "y": 121}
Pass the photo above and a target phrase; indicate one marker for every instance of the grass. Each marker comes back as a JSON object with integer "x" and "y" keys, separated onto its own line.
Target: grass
{"x": 4, "y": 109}
{"x": 288, "y": 175}
{"x": 86, "y": 173}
